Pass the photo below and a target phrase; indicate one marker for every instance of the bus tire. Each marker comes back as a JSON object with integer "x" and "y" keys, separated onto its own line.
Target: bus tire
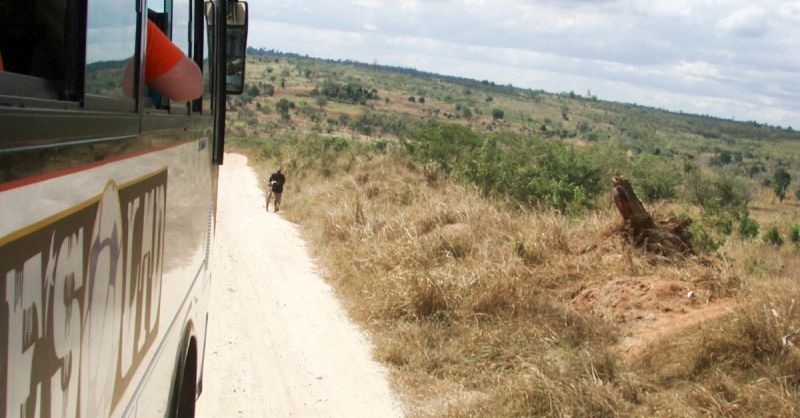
{"x": 185, "y": 389}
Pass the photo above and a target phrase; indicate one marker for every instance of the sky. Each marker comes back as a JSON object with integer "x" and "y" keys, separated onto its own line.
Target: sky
{"x": 735, "y": 59}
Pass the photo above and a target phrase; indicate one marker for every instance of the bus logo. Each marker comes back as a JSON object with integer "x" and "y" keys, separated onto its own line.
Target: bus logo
{"x": 80, "y": 302}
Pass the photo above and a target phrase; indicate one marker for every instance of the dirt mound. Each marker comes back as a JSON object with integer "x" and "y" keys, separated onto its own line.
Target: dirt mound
{"x": 629, "y": 299}
{"x": 652, "y": 284}
{"x": 648, "y": 308}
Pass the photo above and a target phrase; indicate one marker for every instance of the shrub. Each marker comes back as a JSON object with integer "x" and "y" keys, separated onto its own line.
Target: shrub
{"x": 497, "y": 114}
{"x": 526, "y": 170}
{"x": 748, "y": 228}
{"x": 283, "y": 107}
{"x": 722, "y": 158}
{"x": 654, "y": 177}
{"x": 348, "y": 93}
{"x": 365, "y": 123}
{"x": 702, "y": 239}
{"x": 773, "y": 236}
{"x": 780, "y": 183}
{"x": 723, "y": 223}
{"x": 444, "y": 144}
{"x": 794, "y": 235}
{"x": 730, "y": 193}
{"x": 721, "y": 193}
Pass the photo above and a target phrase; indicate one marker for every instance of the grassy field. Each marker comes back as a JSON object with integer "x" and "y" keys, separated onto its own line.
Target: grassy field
{"x": 484, "y": 254}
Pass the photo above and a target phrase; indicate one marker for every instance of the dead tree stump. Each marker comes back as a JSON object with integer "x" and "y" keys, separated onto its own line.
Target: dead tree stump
{"x": 666, "y": 237}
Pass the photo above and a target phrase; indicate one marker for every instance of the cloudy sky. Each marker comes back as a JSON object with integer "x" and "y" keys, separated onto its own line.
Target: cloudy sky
{"x": 735, "y": 59}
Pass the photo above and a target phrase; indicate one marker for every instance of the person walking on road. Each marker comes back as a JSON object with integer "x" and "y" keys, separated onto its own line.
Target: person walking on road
{"x": 275, "y": 184}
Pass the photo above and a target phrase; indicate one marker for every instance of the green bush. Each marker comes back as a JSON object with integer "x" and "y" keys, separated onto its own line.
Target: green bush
{"x": 347, "y": 93}
{"x": 534, "y": 172}
{"x": 773, "y": 236}
{"x": 654, "y": 178}
{"x": 724, "y": 193}
{"x": 283, "y": 107}
{"x": 702, "y": 239}
{"x": 781, "y": 180}
{"x": 730, "y": 193}
{"x": 526, "y": 170}
{"x": 794, "y": 235}
{"x": 444, "y": 144}
{"x": 723, "y": 223}
{"x": 748, "y": 228}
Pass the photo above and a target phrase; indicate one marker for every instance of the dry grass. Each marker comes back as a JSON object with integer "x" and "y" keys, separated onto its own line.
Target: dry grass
{"x": 482, "y": 310}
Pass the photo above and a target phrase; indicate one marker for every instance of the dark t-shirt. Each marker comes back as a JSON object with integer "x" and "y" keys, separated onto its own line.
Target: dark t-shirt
{"x": 276, "y": 181}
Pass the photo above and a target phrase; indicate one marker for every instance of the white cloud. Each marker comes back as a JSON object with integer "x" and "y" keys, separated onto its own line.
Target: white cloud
{"x": 750, "y": 22}
{"x": 668, "y": 9}
{"x": 408, "y": 5}
{"x": 696, "y": 71}
{"x": 711, "y": 56}
{"x": 790, "y": 10}
{"x": 368, "y": 4}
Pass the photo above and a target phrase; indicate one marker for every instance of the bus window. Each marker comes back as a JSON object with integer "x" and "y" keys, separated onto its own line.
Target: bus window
{"x": 181, "y": 33}
{"x": 181, "y": 37}
{"x": 204, "y": 36}
{"x": 33, "y": 48}
{"x": 110, "y": 44}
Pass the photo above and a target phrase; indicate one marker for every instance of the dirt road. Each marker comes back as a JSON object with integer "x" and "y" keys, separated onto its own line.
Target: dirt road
{"x": 279, "y": 343}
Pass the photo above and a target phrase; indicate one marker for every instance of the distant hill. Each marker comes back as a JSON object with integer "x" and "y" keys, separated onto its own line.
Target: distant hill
{"x": 725, "y": 125}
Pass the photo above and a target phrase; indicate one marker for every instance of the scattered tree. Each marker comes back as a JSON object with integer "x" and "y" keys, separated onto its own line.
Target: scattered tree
{"x": 347, "y": 93}
{"x": 773, "y": 236}
{"x": 748, "y": 228}
{"x": 722, "y": 158}
{"x": 283, "y": 107}
{"x": 780, "y": 183}
{"x": 253, "y": 91}
{"x": 794, "y": 235}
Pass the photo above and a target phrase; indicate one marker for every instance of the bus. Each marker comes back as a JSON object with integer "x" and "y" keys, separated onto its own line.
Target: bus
{"x": 107, "y": 204}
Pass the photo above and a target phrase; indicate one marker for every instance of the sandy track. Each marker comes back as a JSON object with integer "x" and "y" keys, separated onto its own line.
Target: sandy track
{"x": 279, "y": 343}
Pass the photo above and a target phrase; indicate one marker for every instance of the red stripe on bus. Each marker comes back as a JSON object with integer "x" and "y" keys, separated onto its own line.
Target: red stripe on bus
{"x": 72, "y": 170}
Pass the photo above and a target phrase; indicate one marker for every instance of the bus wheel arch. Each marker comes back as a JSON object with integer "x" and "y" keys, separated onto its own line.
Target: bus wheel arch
{"x": 184, "y": 387}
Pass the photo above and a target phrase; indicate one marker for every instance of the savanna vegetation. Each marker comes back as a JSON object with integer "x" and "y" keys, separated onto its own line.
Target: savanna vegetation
{"x": 472, "y": 232}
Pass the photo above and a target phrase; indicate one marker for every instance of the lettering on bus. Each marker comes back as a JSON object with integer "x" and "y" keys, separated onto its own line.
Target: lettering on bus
{"x": 80, "y": 303}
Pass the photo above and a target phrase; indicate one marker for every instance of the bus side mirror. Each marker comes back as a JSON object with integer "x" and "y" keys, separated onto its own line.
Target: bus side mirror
{"x": 235, "y": 43}
{"x": 236, "y": 47}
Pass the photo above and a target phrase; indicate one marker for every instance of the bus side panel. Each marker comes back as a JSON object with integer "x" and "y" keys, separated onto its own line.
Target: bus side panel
{"x": 100, "y": 278}
{"x": 187, "y": 257}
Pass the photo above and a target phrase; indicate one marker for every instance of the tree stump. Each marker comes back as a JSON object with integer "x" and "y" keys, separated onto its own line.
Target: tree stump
{"x": 663, "y": 237}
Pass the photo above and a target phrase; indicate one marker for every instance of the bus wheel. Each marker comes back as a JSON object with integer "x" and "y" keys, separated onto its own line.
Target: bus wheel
{"x": 186, "y": 390}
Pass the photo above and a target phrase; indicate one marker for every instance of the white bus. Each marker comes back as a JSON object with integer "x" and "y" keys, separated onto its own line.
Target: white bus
{"x": 107, "y": 205}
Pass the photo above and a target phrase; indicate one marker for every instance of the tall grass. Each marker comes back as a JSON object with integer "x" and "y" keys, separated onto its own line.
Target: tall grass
{"x": 480, "y": 308}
